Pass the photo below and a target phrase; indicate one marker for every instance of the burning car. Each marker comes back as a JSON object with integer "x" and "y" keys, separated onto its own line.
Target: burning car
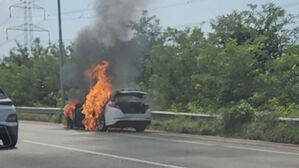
{"x": 125, "y": 109}
{"x": 8, "y": 121}
{"x": 101, "y": 109}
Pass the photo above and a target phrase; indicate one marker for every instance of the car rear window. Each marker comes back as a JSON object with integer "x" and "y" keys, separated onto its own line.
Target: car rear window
{"x": 2, "y": 94}
{"x": 128, "y": 98}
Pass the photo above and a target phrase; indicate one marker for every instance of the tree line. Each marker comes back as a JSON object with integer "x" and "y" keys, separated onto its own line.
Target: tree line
{"x": 249, "y": 57}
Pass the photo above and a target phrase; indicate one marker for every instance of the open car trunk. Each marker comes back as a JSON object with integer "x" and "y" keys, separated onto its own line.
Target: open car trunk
{"x": 130, "y": 102}
{"x": 132, "y": 107}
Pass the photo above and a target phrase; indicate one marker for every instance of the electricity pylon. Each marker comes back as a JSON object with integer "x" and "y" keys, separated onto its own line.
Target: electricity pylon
{"x": 27, "y": 27}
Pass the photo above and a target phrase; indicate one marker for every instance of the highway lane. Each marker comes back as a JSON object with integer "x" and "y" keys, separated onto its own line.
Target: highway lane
{"x": 48, "y": 145}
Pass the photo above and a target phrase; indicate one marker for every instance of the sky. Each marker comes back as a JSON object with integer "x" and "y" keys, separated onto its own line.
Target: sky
{"x": 77, "y": 14}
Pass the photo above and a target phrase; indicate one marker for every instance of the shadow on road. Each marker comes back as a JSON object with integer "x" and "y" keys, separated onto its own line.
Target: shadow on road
{"x": 126, "y": 130}
{"x": 2, "y": 147}
{"x": 112, "y": 130}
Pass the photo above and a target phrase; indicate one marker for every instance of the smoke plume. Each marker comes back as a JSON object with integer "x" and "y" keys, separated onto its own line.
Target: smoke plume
{"x": 110, "y": 39}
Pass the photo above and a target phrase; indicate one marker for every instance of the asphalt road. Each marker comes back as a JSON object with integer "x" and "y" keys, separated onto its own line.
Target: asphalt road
{"x": 47, "y": 145}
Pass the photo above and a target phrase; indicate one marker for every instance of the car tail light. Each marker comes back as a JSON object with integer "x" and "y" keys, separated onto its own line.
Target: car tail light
{"x": 6, "y": 103}
{"x": 113, "y": 105}
{"x": 12, "y": 118}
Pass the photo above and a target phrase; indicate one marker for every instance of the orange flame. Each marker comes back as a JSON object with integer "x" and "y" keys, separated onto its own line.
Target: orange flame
{"x": 69, "y": 109}
{"x": 98, "y": 95}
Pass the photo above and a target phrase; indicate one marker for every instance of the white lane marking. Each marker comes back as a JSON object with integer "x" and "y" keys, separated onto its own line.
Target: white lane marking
{"x": 169, "y": 140}
{"x": 262, "y": 150}
{"x": 103, "y": 154}
{"x": 209, "y": 144}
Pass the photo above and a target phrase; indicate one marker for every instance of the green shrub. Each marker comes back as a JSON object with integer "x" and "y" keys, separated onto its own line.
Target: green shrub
{"x": 181, "y": 125}
{"x": 265, "y": 128}
{"x": 278, "y": 132}
{"x": 187, "y": 125}
{"x": 235, "y": 117}
{"x": 292, "y": 110}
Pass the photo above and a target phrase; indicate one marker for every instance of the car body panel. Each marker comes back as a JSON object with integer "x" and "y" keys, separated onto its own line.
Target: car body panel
{"x": 8, "y": 129}
{"x": 9, "y": 124}
{"x": 6, "y": 110}
{"x": 115, "y": 116}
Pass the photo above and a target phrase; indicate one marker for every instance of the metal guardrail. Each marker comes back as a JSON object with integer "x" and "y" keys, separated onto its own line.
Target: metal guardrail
{"x": 155, "y": 114}
{"x": 289, "y": 119}
{"x": 39, "y": 110}
{"x": 160, "y": 115}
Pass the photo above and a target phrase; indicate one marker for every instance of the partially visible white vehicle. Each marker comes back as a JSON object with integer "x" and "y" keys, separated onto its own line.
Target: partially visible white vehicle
{"x": 8, "y": 121}
{"x": 126, "y": 109}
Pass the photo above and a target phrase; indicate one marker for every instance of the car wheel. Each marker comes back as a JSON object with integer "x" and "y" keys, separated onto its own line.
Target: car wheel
{"x": 101, "y": 124}
{"x": 140, "y": 128}
{"x": 10, "y": 141}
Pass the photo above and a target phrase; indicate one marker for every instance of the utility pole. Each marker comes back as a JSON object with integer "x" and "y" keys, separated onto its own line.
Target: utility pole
{"x": 27, "y": 27}
{"x": 61, "y": 53}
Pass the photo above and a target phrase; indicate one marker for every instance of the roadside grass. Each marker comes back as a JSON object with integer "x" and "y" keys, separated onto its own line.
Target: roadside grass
{"x": 189, "y": 126}
{"x": 276, "y": 131}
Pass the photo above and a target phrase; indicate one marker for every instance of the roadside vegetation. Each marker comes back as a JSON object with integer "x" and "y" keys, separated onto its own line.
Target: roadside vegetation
{"x": 241, "y": 121}
{"x": 283, "y": 132}
{"x": 246, "y": 70}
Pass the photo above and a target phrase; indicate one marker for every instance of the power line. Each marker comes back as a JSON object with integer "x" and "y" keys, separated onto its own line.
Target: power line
{"x": 10, "y": 40}
{"x": 290, "y": 5}
{"x": 15, "y": 37}
{"x": 151, "y": 9}
{"x": 81, "y": 17}
{"x": 78, "y": 11}
{"x": 174, "y": 5}
{"x": 36, "y": 0}
{"x": 161, "y": 7}
{"x": 199, "y": 23}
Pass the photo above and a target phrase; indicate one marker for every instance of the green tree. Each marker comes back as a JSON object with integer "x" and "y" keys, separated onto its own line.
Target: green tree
{"x": 33, "y": 80}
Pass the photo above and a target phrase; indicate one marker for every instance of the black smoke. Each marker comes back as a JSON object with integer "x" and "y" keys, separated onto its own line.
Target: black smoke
{"x": 111, "y": 38}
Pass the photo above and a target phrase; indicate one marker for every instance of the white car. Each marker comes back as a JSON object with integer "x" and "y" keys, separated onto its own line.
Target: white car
{"x": 126, "y": 109}
{"x": 8, "y": 121}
